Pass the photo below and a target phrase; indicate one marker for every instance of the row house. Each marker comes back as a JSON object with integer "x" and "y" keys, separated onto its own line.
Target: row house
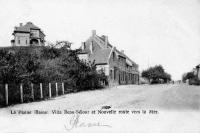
{"x": 118, "y": 67}
{"x": 28, "y": 35}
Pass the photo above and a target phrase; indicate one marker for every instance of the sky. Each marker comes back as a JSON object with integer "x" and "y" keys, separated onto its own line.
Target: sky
{"x": 151, "y": 32}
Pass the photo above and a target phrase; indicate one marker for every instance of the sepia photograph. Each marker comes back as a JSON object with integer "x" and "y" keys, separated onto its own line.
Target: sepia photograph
{"x": 100, "y": 66}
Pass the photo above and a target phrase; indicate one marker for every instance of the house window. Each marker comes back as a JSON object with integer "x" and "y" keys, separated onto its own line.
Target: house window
{"x": 111, "y": 74}
{"x": 123, "y": 75}
{"x": 113, "y": 56}
{"x": 115, "y": 73}
{"x": 26, "y": 41}
{"x": 137, "y": 78}
{"x": 132, "y": 77}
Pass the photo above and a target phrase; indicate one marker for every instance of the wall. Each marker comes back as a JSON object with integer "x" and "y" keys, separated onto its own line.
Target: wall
{"x": 24, "y": 39}
{"x": 114, "y": 69}
{"x": 124, "y": 74}
{"x": 35, "y": 33}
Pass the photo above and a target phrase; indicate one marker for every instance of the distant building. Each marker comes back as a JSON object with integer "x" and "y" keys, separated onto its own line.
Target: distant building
{"x": 27, "y": 35}
{"x": 118, "y": 67}
{"x": 197, "y": 72}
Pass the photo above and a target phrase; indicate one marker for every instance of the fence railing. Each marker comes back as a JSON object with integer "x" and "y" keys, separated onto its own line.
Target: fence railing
{"x": 10, "y": 94}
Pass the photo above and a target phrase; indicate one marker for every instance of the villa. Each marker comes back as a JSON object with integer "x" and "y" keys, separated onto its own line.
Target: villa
{"x": 27, "y": 35}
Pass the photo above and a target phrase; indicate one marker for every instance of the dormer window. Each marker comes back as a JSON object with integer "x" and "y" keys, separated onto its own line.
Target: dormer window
{"x": 114, "y": 56}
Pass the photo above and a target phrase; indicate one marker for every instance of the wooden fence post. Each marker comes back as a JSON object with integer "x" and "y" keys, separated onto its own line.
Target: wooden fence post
{"x": 56, "y": 89}
{"x": 32, "y": 91}
{"x": 49, "y": 90}
{"x": 21, "y": 93}
{"x": 41, "y": 92}
{"x": 63, "y": 89}
{"x": 6, "y": 93}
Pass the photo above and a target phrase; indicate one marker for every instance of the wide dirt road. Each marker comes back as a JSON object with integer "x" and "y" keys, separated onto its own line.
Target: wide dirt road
{"x": 170, "y": 97}
{"x": 178, "y": 109}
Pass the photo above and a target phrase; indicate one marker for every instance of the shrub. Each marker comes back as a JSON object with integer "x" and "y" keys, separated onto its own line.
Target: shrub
{"x": 156, "y": 75}
{"x": 194, "y": 81}
{"x": 45, "y": 65}
{"x": 2, "y": 95}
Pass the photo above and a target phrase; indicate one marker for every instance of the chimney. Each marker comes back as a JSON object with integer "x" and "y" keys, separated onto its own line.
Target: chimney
{"x": 91, "y": 47}
{"x": 20, "y": 24}
{"x": 83, "y": 46}
{"x": 106, "y": 41}
{"x": 93, "y": 32}
{"x": 122, "y": 51}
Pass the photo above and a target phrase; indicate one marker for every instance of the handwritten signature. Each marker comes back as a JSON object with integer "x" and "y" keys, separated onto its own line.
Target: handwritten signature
{"x": 75, "y": 123}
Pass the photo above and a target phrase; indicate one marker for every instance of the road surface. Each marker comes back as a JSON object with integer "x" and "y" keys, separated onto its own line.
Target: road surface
{"x": 170, "y": 97}
{"x": 178, "y": 107}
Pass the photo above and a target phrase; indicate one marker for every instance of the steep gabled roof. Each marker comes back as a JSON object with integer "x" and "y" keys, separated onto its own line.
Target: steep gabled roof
{"x": 103, "y": 39}
{"x": 125, "y": 56}
{"x": 26, "y": 27}
{"x": 100, "y": 56}
{"x": 87, "y": 47}
{"x": 120, "y": 53}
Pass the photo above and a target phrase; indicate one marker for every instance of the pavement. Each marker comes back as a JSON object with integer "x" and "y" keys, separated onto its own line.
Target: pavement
{"x": 170, "y": 108}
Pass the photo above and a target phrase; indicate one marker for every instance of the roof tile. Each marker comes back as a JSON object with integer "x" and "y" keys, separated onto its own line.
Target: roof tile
{"x": 27, "y": 27}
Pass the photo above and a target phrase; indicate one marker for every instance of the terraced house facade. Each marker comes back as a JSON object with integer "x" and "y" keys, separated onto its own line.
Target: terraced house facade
{"x": 118, "y": 67}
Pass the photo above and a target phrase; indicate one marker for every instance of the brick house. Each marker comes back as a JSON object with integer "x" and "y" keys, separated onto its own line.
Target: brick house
{"x": 118, "y": 67}
{"x": 28, "y": 34}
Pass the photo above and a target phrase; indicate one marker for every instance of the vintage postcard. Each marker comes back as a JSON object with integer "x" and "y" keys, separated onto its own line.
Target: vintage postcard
{"x": 100, "y": 66}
